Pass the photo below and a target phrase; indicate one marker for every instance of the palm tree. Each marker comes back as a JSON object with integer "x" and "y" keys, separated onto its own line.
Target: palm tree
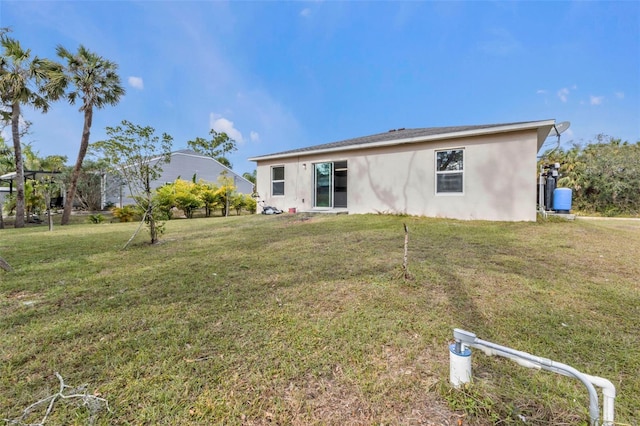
{"x": 22, "y": 82}
{"x": 6, "y": 164}
{"x": 97, "y": 84}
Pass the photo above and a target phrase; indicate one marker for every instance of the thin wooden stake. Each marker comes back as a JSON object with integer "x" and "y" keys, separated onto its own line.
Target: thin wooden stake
{"x": 405, "y": 267}
{"x": 137, "y": 230}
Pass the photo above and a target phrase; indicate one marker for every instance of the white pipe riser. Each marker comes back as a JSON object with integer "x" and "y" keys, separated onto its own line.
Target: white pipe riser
{"x": 459, "y": 366}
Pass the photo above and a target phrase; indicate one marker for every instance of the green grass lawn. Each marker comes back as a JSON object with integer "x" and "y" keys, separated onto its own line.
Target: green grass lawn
{"x": 299, "y": 320}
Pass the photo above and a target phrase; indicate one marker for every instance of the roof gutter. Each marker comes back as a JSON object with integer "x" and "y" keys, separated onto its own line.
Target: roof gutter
{"x": 543, "y": 128}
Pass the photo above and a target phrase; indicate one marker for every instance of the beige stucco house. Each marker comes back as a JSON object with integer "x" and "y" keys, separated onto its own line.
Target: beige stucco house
{"x": 485, "y": 172}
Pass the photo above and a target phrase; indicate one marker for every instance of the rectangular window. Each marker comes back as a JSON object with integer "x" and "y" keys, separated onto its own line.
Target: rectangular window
{"x": 277, "y": 180}
{"x": 450, "y": 171}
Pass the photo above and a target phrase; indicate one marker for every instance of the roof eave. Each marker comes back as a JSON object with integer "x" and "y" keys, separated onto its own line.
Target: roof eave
{"x": 543, "y": 128}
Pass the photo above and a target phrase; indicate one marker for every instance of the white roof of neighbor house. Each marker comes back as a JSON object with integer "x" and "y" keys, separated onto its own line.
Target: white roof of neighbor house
{"x": 9, "y": 176}
{"x": 406, "y": 136}
{"x": 191, "y": 153}
{"x": 33, "y": 174}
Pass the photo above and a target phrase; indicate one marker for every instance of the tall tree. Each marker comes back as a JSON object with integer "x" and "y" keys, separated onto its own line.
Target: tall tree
{"x": 6, "y": 165}
{"x": 136, "y": 155}
{"x": 251, "y": 177}
{"x": 217, "y": 147}
{"x": 96, "y": 83}
{"x": 94, "y": 184}
{"x": 23, "y": 81}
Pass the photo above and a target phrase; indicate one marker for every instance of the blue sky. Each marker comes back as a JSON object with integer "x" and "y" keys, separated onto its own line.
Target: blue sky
{"x": 284, "y": 75}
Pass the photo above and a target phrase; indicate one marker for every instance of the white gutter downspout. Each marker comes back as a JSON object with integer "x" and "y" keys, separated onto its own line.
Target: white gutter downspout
{"x": 466, "y": 339}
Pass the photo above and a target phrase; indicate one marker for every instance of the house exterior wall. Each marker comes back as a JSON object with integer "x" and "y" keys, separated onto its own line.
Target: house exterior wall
{"x": 184, "y": 166}
{"x": 499, "y": 179}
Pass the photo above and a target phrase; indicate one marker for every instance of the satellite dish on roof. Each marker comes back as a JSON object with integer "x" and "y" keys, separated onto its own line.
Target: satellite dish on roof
{"x": 559, "y": 128}
{"x": 555, "y": 131}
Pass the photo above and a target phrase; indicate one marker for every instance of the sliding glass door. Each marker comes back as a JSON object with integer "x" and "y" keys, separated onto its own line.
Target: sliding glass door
{"x": 323, "y": 184}
{"x": 330, "y": 184}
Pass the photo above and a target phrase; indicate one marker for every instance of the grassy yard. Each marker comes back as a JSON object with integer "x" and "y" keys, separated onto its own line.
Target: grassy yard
{"x": 257, "y": 320}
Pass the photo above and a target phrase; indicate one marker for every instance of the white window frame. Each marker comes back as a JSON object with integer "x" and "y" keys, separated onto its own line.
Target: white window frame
{"x": 273, "y": 181}
{"x": 445, "y": 172}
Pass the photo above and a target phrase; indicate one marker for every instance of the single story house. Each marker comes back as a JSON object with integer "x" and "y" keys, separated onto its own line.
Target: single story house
{"x": 183, "y": 164}
{"x": 482, "y": 172}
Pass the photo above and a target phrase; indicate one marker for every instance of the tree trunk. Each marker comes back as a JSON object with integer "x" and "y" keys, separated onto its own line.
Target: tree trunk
{"x": 47, "y": 200}
{"x": 152, "y": 221}
{"x": 75, "y": 175}
{"x": 15, "y": 130}
{"x": 1, "y": 216}
{"x": 152, "y": 228}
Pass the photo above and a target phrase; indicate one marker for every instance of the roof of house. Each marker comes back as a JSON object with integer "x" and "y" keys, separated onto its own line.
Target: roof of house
{"x": 29, "y": 174}
{"x": 192, "y": 153}
{"x": 403, "y": 136}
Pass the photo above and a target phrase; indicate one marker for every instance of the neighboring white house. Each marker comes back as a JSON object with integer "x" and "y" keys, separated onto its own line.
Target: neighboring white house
{"x": 184, "y": 164}
{"x": 485, "y": 172}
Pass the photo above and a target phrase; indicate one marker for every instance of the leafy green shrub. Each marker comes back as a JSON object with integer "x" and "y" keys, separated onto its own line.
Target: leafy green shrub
{"x": 124, "y": 213}
{"x": 250, "y": 204}
{"x": 96, "y": 218}
{"x": 604, "y": 175}
{"x": 237, "y": 202}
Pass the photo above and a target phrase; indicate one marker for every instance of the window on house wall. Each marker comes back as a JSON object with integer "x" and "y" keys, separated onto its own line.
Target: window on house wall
{"x": 277, "y": 180}
{"x": 450, "y": 171}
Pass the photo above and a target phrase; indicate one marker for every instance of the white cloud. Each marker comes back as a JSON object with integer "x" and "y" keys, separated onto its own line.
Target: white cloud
{"x": 619, "y": 95}
{"x": 136, "y": 82}
{"x": 563, "y": 94}
{"x": 596, "y": 100}
{"x": 541, "y": 92}
{"x": 305, "y": 13}
{"x": 221, "y": 124}
{"x": 254, "y": 136}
